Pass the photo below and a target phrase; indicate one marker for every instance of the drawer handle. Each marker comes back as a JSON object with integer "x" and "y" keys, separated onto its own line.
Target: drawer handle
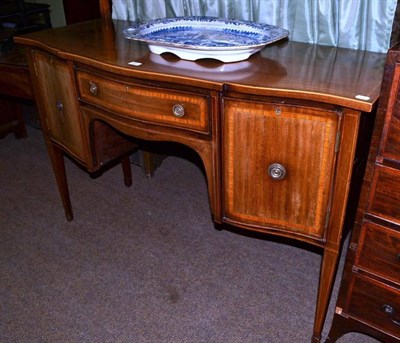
{"x": 178, "y": 110}
{"x": 92, "y": 88}
{"x": 59, "y": 105}
{"x": 392, "y": 313}
{"x": 276, "y": 171}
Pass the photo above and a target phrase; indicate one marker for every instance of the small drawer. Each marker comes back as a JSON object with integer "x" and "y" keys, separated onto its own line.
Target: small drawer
{"x": 378, "y": 252}
{"x": 376, "y": 304}
{"x": 384, "y": 198}
{"x": 151, "y": 104}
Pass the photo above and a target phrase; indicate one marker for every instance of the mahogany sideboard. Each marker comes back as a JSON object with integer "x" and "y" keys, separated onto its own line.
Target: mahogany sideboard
{"x": 278, "y": 134}
{"x": 369, "y": 297}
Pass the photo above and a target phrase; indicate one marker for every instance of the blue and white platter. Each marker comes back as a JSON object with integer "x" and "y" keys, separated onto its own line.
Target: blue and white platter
{"x": 193, "y": 38}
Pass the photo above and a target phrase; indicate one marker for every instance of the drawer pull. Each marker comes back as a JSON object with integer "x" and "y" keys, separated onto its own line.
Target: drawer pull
{"x": 276, "y": 171}
{"x": 92, "y": 88}
{"x": 59, "y": 105}
{"x": 392, "y": 313}
{"x": 178, "y": 110}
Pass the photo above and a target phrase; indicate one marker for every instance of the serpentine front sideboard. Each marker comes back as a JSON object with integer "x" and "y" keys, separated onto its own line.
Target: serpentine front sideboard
{"x": 280, "y": 134}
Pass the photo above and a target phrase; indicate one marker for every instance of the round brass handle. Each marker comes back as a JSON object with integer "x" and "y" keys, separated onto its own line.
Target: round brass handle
{"x": 92, "y": 88}
{"x": 59, "y": 105}
{"x": 276, "y": 171}
{"x": 178, "y": 110}
{"x": 391, "y": 312}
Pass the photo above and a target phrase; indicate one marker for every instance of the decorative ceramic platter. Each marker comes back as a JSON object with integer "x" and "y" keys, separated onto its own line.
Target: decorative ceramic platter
{"x": 193, "y": 38}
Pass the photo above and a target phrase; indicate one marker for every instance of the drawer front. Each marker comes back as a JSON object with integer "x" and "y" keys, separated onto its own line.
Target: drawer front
{"x": 384, "y": 198}
{"x": 262, "y": 140}
{"x": 390, "y": 144}
{"x": 155, "y": 105}
{"x": 378, "y": 251}
{"x": 376, "y": 304}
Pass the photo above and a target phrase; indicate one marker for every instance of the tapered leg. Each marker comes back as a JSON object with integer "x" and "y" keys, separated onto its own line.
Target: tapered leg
{"x": 327, "y": 278}
{"x": 126, "y": 169}
{"x": 57, "y": 162}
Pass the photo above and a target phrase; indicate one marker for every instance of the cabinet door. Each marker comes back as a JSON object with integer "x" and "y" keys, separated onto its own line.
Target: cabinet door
{"x": 278, "y": 165}
{"x": 60, "y": 105}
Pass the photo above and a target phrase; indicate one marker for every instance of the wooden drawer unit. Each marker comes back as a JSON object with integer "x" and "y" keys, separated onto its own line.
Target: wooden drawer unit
{"x": 379, "y": 252}
{"x": 178, "y": 109}
{"x": 369, "y": 296}
{"x": 375, "y": 304}
{"x": 278, "y": 165}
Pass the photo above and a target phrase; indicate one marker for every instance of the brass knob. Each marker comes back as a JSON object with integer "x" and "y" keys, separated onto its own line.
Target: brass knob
{"x": 391, "y": 312}
{"x": 92, "y": 88}
{"x": 276, "y": 171}
{"x": 178, "y": 110}
{"x": 59, "y": 105}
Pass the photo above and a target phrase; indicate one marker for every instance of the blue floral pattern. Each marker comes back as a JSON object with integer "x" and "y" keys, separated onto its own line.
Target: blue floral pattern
{"x": 206, "y": 32}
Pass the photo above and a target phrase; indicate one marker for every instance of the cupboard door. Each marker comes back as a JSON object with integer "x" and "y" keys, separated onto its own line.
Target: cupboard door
{"x": 278, "y": 165}
{"x": 60, "y": 106}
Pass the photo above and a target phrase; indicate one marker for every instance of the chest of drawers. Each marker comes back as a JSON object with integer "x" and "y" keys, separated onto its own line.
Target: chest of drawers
{"x": 369, "y": 298}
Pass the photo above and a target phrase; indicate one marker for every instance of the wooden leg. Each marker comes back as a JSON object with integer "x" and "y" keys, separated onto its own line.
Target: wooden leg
{"x": 57, "y": 162}
{"x": 151, "y": 162}
{"x": 327, "y": 278}
{"x": 148, "y": 164}
{"x": 126, "y": 169}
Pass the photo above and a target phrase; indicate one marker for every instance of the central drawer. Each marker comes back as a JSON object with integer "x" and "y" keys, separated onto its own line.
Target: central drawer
{"x": 151, "y": 104}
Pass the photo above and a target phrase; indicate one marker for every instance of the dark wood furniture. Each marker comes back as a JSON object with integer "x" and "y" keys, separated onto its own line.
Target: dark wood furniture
{"x": 22, "y": 15}
{"x": 17, "y": 16}
{"x": 369, "y": 297}
{"x": 15, "y": 88}
{"x": 77, "y": 10}
{"x": 277, "y": 133}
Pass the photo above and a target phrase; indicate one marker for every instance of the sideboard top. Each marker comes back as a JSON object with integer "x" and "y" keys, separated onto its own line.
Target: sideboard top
{"x": 344, "y": 77}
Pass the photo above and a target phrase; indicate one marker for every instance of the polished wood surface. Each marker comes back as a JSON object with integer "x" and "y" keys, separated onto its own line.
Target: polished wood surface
{"x": 297, "y": 105}
{"x": 144, "y": 102}
{"x": 368, "y": 300}
{"x": 58, "y": 91}
{"x": 288, "y": 69}
{"x": 301, "y": 140}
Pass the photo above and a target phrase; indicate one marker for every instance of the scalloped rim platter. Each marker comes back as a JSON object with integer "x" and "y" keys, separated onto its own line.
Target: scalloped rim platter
{"x": 193, "y": 38}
